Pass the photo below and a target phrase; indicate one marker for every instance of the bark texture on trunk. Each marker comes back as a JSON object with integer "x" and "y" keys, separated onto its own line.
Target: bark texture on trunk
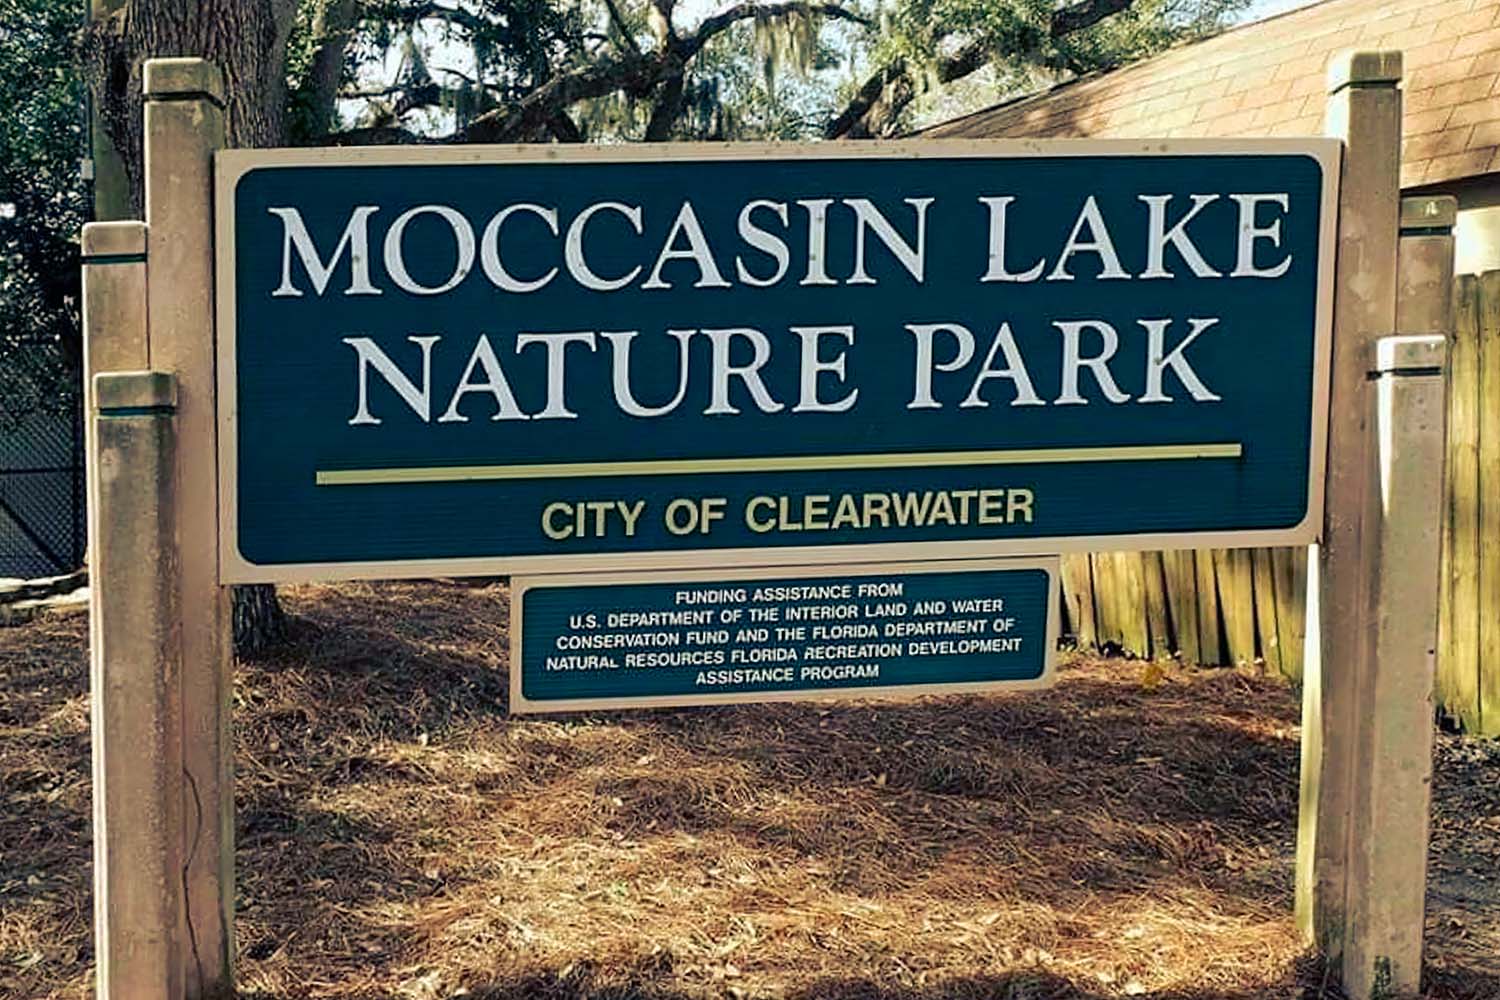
{"x": 246, "y": 39}
{"x": 332, "y": 29}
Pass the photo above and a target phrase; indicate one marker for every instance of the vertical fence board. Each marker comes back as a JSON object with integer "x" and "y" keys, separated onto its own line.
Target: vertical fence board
{"x": 1182, "y": 602}
{"x": 1107, "y": 598}
{"x": 1107, "y": 590}
{"x": 1158, "y": 627}
{"x": 1135, "y": 634}
{"x": 1210, "y": 638}
{"x": 1078, "y": 595}
{"x": 1237, "y": 602}
{"x": 1289, "y": 566}
{"x": 1264, "y": 587}
{"x": 1458, "y": 661}
{"x": 1489, "y": 500}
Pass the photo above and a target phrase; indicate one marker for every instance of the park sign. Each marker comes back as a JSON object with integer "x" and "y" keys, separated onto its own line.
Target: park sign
{"x": 555, "y": 358}
{"x": 592, "y": 641}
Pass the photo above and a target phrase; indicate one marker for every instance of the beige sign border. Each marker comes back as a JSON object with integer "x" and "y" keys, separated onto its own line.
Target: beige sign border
{"x": 231, "y": 165}
{"x": 520, "y": 704}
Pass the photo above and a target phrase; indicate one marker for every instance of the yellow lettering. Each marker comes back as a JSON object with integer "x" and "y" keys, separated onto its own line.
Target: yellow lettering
{"x": 942, "y": 509}
{"x": 1018, "y": 505}
{"x": 750, "y": 519}
{"x": 992, "y": 506}
{"x": 815, "y": 512}
{"x": 877, "y": 505}
{"x": 548, "y": 527}
{"x": 847, "y": 514}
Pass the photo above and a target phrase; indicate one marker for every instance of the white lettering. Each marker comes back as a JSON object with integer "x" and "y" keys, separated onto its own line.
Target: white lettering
{"x": 356, "y": 239}
{"x": 371, "y": 356}
{"x": 1244, "y": 265}
{"x": 1158, "y": 236}
{"x": 997, "y": 270}
{"x": 696, "y": 251}
{"x": 463, "y": 238}
{"x": 1073, "y": 360}
{"x": 867, "y": 216}
{"x": 812, "y": 366}
{"x": 1157, "y": 362}
{"x": 578, "y": 267}
{"x": 1098, "y": 243}
{"x": 489, "y": 249}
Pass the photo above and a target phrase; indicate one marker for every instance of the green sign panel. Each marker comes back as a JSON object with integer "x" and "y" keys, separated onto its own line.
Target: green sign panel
{"x": 646, "y": 640}
{"x": 540, "y": 359}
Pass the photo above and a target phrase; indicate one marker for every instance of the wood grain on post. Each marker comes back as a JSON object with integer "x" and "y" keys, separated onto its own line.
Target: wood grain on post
{"x": 184, "y": 127}
{"x": 1459, "y": 662}
{"x": 134, "y": 716}
{"x": 114, "y": 337}
{"x": 136, "y": 704}
{"x": 1393, "y": 772}
{"x": 1364, "y": 109}
{"x": 1488, "y": 679}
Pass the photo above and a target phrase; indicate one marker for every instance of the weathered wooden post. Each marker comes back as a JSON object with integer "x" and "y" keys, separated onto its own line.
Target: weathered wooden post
{"x": 136, "y": 716}
{"x": 1364, "y": 109}
{"x": 184, "y": 128}
{"x": 137, "y": 703}
{"x": 1393, "y": 776}
{"x": 114, "y": 321}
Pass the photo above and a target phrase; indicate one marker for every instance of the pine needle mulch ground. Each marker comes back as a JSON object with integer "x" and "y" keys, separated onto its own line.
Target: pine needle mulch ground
{"x": 401, "y": 837}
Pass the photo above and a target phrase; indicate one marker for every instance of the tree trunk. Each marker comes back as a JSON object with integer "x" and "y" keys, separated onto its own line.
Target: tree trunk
{"x": 246, "y": 39}
{"x": 332, "y": 24}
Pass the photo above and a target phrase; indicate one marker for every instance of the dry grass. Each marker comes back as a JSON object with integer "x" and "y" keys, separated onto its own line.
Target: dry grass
{"x": 401, "y": 837}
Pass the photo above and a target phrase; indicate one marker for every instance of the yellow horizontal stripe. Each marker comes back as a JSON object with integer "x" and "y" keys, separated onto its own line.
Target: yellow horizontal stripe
{"x": 783, "y": 463}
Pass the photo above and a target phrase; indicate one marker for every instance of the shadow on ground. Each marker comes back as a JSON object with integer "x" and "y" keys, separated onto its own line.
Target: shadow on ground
{"x": 401, "y": 836}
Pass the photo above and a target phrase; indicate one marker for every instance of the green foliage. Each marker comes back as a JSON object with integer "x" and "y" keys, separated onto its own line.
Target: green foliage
{"x": 42, "y": 205}
{"x": 1017, "y": 34}
{"x": 462, "y": 58}
{"x": 780, "y": 73}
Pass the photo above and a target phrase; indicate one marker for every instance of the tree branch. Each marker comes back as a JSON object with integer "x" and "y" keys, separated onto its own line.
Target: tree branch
{"x": 1084, "y": 14}
{"x": 377, "y": 135}
{"x": 667, "y": 110}
{"x": 634, "y": 72}
{"x": 564, "y": 128}
{"x": 876, "y": 106}
{"x": 728, "y": 16}
{"x": 332, "y": 27}
{"x": 621, "y": 27}
{"x": 409, "y": 15}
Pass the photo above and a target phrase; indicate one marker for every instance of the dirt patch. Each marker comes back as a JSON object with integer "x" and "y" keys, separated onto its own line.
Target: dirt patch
{"x": 401, "y": 837}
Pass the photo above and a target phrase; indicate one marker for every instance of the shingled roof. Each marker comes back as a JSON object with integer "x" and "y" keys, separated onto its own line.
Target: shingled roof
{"x": 1268, "y": 78}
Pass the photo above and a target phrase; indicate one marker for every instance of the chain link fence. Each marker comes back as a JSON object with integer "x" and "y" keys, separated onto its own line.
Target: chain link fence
{"x": 41, "y": 493}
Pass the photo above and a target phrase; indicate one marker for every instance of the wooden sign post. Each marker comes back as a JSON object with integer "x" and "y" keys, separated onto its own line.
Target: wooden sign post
{"x": 1373, "y": 582}
{"x": 1364, "y": 109}
{"x": 191, "y": 913}
{"x": 184, "y": 129}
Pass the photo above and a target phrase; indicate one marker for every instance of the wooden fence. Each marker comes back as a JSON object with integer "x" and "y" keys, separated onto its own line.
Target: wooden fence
{"x": 1225, "y": 606}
